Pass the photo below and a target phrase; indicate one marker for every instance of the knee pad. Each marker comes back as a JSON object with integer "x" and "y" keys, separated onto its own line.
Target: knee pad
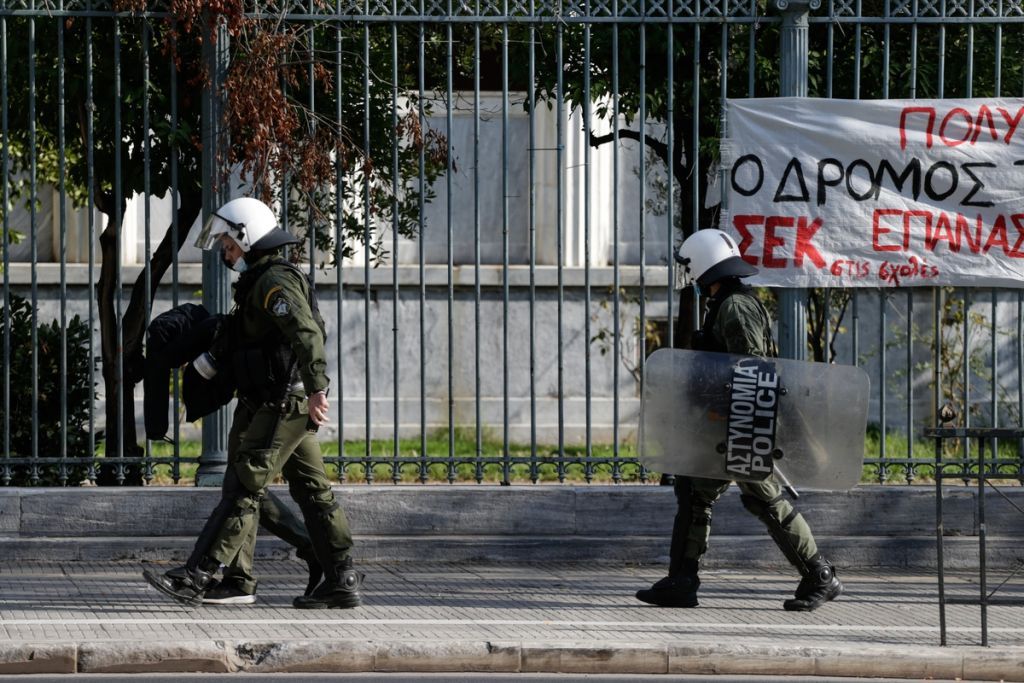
{"x": 319, "y": 504}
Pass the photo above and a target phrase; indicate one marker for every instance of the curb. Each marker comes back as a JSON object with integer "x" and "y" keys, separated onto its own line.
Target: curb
{"x": 610, "y": 657}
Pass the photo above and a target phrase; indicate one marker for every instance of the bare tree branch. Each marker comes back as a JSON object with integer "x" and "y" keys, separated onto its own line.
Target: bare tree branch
{"x": 659, "y": 147}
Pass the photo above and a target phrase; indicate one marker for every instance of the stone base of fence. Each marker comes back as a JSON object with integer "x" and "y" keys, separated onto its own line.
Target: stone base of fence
{"x": 870, "y": 526}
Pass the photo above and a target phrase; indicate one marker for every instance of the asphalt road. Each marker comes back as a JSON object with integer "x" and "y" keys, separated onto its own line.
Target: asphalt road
{"x": 440, "y": 678}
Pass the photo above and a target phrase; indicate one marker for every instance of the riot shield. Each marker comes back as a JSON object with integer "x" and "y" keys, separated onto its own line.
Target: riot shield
{"x": 723, "y": 416}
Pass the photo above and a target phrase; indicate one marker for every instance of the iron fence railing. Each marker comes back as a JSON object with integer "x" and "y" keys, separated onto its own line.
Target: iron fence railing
{"x": 494, "y": 259}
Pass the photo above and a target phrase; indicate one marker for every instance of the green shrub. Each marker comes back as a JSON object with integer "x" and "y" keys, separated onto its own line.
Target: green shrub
{"x": 80, "y": 396}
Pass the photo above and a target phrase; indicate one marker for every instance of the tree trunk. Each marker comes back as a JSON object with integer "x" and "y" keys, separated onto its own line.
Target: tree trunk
{"x": 134, "y": 322}
{"x": 133, "y": 328}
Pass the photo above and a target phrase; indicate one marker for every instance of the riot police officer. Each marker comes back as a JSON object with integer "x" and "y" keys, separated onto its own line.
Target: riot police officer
{"x": 735, "y": 322}
{"x": 273, "y": 344}
{"x": 174, "y": 338}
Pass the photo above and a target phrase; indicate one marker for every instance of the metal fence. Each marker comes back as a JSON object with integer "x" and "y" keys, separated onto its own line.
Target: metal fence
{"x": 491, "y": 241}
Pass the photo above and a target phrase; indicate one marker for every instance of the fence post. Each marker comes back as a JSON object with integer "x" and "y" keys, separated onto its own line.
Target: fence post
{"x": 793, "y": 48}
{"x": 216, "y": 278}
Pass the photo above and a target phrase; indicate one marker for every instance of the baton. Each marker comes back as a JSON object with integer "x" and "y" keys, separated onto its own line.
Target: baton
{"x": 785, "y": 483}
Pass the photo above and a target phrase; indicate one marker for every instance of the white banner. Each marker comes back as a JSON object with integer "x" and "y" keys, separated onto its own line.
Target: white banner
{"x": 877, "y": 193}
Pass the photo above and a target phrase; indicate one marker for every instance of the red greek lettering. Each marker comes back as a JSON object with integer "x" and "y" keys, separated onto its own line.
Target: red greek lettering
{"x": 878, "y": 230}
{"x": 772, "y": 240}
{"x": 804, "y": 234}
{"x": 746, "y": 237}
{"x": 905, "y": 114}
{"x": 1012, "y": 122}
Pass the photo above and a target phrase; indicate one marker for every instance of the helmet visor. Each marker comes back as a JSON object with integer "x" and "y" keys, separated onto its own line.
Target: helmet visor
{"x": 211, "y": 232}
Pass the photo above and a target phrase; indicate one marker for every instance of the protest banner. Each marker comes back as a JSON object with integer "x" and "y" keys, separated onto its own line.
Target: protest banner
{"x": 876, "y": 193}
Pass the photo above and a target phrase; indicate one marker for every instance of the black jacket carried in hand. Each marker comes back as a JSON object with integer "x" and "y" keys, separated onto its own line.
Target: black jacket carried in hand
{"x": 173, "y": 339}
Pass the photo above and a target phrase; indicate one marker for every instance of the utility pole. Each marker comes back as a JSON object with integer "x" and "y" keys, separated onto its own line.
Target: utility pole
{"x": 216, "y": 278}
{"x": 793, "y": 83}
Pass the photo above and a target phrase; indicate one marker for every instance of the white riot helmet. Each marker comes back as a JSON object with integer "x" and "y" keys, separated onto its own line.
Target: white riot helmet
{"x": 708, "y": 256}
{"x": 249, "y": 222}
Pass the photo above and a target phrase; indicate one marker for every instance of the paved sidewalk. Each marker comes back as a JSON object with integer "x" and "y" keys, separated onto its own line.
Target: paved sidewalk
{"x": 102, "y": 617}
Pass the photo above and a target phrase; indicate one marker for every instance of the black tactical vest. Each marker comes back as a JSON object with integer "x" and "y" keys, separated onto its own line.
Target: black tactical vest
{"x": 266, "y": 370}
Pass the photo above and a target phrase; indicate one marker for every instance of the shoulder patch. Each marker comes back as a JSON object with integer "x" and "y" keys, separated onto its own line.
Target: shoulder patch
{"x": 279, "y": 307}
{"x": 273, "y": 290}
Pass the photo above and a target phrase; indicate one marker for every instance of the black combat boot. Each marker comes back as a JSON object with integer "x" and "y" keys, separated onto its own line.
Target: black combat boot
{"x": 229, "y": 592}
{"x": 819, "y": 585}
{"x": 339, "y": 590}
{"x": 672, "y": 591}
{"x": 186, "y": 585}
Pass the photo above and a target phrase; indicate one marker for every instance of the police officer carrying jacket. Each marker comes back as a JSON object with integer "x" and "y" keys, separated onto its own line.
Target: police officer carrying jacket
{"x": 174, "y": 338}
{"x": 735, "y": 322}
{"x": 273, "y": 344}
